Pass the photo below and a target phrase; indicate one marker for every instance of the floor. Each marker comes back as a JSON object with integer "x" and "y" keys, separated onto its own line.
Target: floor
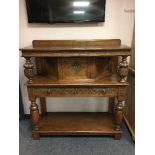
{"x": 73, "y": 145}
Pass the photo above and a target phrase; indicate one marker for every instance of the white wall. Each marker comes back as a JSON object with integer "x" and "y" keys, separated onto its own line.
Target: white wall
{"x": 118, "y": 24}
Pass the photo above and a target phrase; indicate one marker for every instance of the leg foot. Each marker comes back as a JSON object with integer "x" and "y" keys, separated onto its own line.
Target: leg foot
{"x": 118, "y": 136}
{"x": 36, "y": 136}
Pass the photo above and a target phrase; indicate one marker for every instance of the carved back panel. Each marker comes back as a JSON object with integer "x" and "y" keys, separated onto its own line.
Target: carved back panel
{"x": 76, "y": 43}
{"x": 76, "y": 68}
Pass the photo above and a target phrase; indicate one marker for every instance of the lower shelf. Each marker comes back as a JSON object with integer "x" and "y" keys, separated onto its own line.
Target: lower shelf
{"x": 77, "y": 123}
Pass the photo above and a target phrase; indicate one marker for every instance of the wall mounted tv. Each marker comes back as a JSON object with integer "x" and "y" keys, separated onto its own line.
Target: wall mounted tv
{"x": 65, "y": 11}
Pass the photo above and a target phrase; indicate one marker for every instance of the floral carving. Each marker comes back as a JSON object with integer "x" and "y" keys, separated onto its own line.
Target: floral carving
{"x": 76, "y": 66}
{"x": 76, "y": 91}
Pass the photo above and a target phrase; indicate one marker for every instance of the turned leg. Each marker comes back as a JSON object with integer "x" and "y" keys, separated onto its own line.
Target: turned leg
{"x": 43, "y": 105}
{"x": 35, "y": 119}
{"x": 29, "y": 69}
{"x": 118, "y": 115}
{"x": 123, "y": 69}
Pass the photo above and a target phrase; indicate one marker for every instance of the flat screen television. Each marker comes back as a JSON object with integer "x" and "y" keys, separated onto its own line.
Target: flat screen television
{"x": 65, "y": 11}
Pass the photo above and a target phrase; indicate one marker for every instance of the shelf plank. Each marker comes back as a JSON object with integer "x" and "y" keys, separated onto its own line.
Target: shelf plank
{"x": 112, "y": 80}
{"x": 89, "y": 48}
{"x": 46, "y": 52}
{"x": 78, "y": 123}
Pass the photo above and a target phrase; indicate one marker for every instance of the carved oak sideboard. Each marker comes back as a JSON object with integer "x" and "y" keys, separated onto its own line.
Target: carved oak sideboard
{"x": 64, "y": 68}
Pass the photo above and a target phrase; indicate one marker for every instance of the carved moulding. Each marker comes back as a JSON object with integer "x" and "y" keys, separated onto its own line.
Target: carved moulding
{"x": 53, "y": 91}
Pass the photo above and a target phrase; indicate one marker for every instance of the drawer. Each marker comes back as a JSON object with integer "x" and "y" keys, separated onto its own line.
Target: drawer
{"x": 75, "y": 91}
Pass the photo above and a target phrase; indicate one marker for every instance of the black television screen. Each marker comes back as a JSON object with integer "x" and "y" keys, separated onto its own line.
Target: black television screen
{"x": 65, "y": 11}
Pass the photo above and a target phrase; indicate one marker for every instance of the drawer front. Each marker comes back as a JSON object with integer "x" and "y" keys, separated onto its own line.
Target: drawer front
{"x": 58, "y": 92}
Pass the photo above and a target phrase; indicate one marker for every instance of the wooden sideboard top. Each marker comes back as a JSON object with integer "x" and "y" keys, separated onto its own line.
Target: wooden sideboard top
{"x": 49, "y": 48}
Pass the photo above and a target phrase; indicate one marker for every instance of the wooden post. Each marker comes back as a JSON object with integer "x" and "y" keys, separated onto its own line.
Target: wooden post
{"x": 43, "y": 105}
{"x": 119, "y": 110}
{"x": 111, "y": 105}
{"x": 35, "y": 119}
{"x": 118, "y": 115}
{"x": 34, "y": 111}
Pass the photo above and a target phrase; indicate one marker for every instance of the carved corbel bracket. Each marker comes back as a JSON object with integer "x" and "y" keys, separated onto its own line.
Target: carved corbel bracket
{"x": 123, "y": 69}
{"x": 29, "y": 69}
